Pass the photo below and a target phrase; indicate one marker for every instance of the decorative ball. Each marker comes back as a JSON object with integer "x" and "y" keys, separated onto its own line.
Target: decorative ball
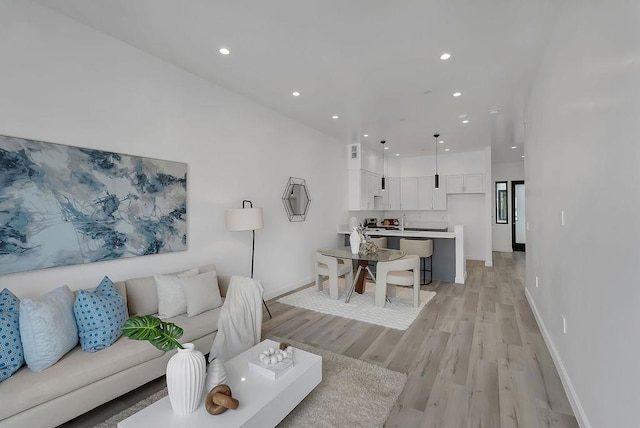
{"x": 271, "y": 350}
{"x": 274, "y": 360}
{"x": 279, "y": 357}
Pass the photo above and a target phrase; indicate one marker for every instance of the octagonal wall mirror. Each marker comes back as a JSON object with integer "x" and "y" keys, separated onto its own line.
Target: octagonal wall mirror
{"x": 296, "y": 199}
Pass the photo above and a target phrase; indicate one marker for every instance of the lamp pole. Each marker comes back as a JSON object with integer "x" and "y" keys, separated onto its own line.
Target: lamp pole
{"x": 253, "y": 251}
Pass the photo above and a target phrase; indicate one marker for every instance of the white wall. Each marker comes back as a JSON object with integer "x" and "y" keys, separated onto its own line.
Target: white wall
{"x": 583, "y": 156}
{"x": 65, "y": 83}
{"x": 504, "y": 171}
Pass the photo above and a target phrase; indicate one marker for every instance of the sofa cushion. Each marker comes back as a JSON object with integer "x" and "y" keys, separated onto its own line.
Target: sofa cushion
{"x": 100, "y": 316}
{"x": 78, "y": 368}
{"x": 48, "y": 328}
{"x": 11, "y": 355}
{"x": 202, "y": 293}
{"x": 197, "y": 326}
{"x": 75, "y": 370}
{"x": 142, "y": 296}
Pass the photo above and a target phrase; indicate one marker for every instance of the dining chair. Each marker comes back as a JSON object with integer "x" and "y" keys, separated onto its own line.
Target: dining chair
{"x": 404, "y": 271}
{"x": 333, "y": 268}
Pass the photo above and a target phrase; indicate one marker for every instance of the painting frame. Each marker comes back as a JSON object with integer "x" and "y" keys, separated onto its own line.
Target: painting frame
{"x": 64, "y": 205}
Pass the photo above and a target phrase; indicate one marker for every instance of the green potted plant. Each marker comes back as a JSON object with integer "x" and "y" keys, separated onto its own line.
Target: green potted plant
{"x": 185, "y": 370}
{"x": 161, "y": 334}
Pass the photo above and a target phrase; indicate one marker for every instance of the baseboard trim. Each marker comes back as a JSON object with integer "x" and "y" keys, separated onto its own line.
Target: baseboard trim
{"x": 578, "y": 410}
{"x": 268, "y": 295}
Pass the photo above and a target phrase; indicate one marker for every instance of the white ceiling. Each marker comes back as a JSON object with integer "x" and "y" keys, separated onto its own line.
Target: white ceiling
{"x": 368, "y": 61}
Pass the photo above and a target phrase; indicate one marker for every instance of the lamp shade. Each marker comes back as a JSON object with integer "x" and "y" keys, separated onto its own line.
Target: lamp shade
{"x": 244, "y": 219}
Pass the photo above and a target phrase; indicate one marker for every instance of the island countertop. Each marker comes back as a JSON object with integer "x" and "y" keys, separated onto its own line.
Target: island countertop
{"x": 344, "y": 230}
{"x": 455, "y": 257}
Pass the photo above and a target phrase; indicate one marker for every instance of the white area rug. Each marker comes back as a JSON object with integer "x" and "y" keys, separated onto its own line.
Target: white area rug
{"x": 399, "y": 314}
{"x": 371, "y": 390}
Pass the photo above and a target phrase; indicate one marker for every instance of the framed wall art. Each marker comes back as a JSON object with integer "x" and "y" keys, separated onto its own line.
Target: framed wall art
{"x": 63, "y": 205}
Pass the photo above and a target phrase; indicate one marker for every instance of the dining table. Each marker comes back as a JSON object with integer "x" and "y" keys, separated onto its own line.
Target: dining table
{"x": 364, "y": 259}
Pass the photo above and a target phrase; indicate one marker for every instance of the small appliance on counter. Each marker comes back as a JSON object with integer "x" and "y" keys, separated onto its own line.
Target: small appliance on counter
{"x": 371, "y": 222}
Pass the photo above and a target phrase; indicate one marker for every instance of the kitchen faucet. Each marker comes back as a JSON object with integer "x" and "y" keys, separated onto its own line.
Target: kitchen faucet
{"x": 402, "y": 222}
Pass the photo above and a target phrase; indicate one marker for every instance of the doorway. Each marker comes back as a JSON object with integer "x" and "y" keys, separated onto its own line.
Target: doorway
{"x": 518, "y": 221}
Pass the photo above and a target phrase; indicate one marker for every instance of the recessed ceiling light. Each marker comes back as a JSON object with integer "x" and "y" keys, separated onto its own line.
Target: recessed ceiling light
{"x": 465, "y": 121}
{"x": 441, "y": 141}
{"x": 457, "y": 94}
{"x": 397, "y": 154}
{"x": 494, "y": 111}
{"x": 365, "y": 135}
{"x": 462, "y": 116}
{"x": 522, "y": 156}
{"x": 386, "y": 148}
{"x": 446, "y": 150}
{"x": 224, "y": 51}
{"x": 445, "y": 56}
{"x": 335, "y": 116}
{"x": 295, "y": 93}
{"x": 514, "y": 147}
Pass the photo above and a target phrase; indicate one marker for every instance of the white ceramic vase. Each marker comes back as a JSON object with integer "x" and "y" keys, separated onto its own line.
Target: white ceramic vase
{"x": 216, "y": 374}
{"x": 354, "y": 240}
{"x": 185, "y": 379}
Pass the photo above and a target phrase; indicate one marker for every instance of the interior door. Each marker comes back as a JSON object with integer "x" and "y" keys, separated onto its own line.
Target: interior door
{"x": 518, "y": 221}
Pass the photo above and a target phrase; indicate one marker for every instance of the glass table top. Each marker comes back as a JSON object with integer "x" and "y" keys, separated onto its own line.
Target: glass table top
{"x": 382, "y": 255}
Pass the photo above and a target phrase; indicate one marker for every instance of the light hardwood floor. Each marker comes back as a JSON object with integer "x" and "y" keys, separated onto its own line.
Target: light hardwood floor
{"x": 474, "y": 357}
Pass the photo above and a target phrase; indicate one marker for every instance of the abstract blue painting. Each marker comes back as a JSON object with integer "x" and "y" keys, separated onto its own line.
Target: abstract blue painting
{"x": 62, "y": 205}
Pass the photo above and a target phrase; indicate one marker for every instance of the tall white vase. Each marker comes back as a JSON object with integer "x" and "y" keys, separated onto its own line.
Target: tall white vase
{"x": 354, "y": 240}
{"x": 216, "y": 374}
{"x": 185, "y": 379}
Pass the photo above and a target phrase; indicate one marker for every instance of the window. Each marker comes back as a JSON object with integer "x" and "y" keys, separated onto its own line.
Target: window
{"x": 501, "y": 203}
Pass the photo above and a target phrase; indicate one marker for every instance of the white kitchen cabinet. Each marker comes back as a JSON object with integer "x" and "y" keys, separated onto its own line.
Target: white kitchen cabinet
{"x": 430, "y": 198}
{"x": 409, "y": 193}
{"x": 440, "y": 197}
{"x": 465, "y": 183}
{"x": 425, "y": 193}
{"x": 391, "y": 195}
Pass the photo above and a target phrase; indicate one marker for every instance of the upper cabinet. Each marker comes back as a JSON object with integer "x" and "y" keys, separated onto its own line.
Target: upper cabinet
{"x": 391, "y": 194}
{"x": 430, "y": 198}
{"x": 465, "y": 183}
{"x": 409, "y": 193}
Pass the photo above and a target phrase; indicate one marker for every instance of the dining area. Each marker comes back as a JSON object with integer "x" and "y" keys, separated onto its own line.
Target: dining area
{"x": 386, "y": 268}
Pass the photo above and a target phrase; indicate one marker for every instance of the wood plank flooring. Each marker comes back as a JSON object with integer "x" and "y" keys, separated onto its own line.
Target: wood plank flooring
{"x": 474, "y": 357}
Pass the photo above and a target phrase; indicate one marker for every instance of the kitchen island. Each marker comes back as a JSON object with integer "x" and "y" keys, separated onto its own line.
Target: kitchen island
{"x": 449, "y": 261}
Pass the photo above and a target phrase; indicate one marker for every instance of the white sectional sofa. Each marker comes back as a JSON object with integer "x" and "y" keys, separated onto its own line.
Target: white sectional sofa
{"x": 81, "y": 381}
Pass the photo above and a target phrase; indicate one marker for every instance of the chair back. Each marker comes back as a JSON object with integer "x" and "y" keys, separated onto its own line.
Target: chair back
{"x": 408, "y": 262}
{"x": 380, "y": 242}
{"x": 325, "y": 260}
{"x": 417, "y": 247}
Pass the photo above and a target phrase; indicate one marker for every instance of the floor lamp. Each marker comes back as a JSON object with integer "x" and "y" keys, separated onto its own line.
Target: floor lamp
{"x": 242, "y": 219}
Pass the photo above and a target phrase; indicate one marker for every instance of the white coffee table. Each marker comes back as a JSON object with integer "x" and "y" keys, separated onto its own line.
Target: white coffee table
{"x": 263, "y": 402}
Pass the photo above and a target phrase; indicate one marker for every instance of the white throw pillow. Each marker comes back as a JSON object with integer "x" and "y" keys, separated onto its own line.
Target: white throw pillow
{"x": 202, "y": 293}
{"x": 171, "y": 298}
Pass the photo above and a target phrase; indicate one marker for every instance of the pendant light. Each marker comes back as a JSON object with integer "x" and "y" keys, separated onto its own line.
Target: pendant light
{"x": 437, "y": 178}
{"x": 383, "y": 180}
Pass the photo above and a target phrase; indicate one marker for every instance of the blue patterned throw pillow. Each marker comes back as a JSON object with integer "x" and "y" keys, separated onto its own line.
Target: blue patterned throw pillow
{"x": 11, "y": 355}
{"x": 100, "y": 316}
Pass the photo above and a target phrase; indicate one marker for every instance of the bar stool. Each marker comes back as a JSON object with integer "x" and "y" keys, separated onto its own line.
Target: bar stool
{"x": 422, "y": 248}
{"x": 380, "y": 242}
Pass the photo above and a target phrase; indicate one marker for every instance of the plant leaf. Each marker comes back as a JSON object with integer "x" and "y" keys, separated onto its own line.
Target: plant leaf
{"x": 161, "y": 334}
